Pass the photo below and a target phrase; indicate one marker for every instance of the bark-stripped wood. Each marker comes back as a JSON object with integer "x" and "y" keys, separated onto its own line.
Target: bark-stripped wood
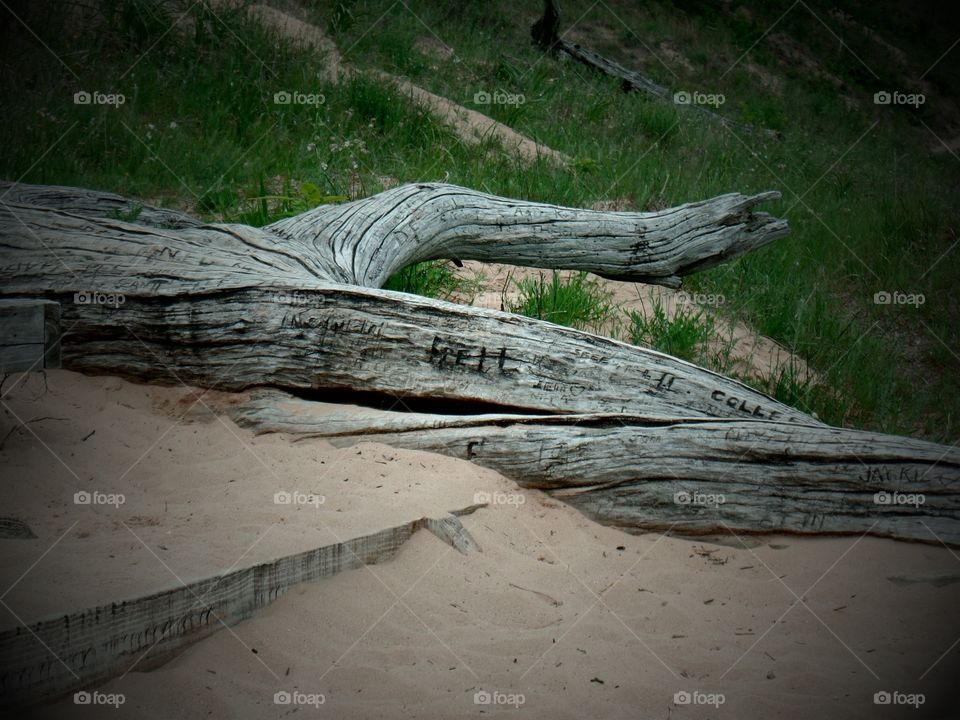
{"x": 372, "y": 238}
{"x": 644, "y": 473}
{"x": 92, "y": 203}
{"x": 56, "y": 655}
{"x": 366, "y": 241}
{"x": 229, "y": 306}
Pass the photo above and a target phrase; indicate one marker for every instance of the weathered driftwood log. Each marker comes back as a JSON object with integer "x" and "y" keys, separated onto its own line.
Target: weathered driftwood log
{"x": 230, "y": 306}
{"x": 370, "y": 239}
{"x": 695, "y": 476}
{"x": 59, "y": 654}
{"x": 366, "y": 241}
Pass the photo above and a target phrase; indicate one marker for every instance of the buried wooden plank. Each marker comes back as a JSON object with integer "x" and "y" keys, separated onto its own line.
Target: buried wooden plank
{"x": 52, "y": 656}
{"x": 691, "y": 475}
{"x": 29, "y": 334}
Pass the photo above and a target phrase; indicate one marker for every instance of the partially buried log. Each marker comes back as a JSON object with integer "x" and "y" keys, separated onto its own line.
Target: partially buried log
{"x": 295, "y": 306}
{"x": 700, "y": 476}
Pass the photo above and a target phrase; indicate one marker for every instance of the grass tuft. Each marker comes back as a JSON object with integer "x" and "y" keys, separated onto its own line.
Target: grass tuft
{"x": 685, "y": 335}
{"x": 579, "y": 301}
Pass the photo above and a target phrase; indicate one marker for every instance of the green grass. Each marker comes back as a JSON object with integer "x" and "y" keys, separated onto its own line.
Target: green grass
{"x": 870, "y": 208}
{"x": 433, "y": 278}
{"x": 685, "y": 335}
{"x": 578, "y": 301}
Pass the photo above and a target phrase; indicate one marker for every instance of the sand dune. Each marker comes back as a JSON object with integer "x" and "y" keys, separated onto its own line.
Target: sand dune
{"x": 557, "y": 617}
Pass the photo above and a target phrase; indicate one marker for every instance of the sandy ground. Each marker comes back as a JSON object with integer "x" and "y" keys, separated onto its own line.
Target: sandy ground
{"x": 558, "y": 617}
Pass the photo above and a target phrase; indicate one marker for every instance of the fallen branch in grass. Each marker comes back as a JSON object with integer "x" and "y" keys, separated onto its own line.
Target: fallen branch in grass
{"x": 546, "y": 35}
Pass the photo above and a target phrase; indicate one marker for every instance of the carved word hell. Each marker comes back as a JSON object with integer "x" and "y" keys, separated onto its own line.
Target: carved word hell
{"x": 451, "y": 355}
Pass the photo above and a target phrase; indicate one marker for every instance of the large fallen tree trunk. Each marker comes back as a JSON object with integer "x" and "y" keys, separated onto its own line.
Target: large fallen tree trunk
{"x": 295, "y": 306}
{"x": 701, "y": 476}
{"x": 231, "y": 306}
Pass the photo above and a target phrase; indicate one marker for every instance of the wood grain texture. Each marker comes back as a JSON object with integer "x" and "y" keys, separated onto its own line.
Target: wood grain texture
{"x": 692, "y": 476}
{"x": 370, "y": 239}
{"x": 399, "y": 345}
{"x": 366, "y": 241}
{"x": 92, "y": 203}
{"x": 230, "y": 307}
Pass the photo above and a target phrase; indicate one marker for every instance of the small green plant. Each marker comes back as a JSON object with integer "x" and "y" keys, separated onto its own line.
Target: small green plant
{"x": 685, "y": 335}
{"x": 217, "y": 201}
{"x": 579, "y": 301}
{"x": 130, "y": 215}
{"x": 433, "y": 278}
{"x": 789, "y": 386}
{"x": 264, "y": 207}
{"x": 315, "y": 196}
